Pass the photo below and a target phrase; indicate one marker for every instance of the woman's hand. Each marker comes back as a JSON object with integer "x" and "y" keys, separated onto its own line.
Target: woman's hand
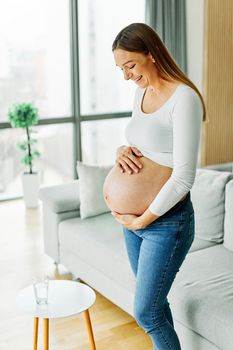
{"x": 134, "y": 222}
{"x": 131, "y": 222}
{"x": 127, "y": 159}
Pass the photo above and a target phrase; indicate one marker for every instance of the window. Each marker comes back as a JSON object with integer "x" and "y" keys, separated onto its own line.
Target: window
{"x": 103, "y": 89}
{"x": 35, "y": 56}
{"x": 38, "y": 61}
{"x": 101, "y": 138}
{"x": 55, "y": 164}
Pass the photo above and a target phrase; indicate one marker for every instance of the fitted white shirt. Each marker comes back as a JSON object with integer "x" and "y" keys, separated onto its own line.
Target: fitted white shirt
{"x": 170, "y": 136}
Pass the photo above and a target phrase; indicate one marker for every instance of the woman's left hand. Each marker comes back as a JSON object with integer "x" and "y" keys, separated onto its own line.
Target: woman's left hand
{"x": 130, "y": 221}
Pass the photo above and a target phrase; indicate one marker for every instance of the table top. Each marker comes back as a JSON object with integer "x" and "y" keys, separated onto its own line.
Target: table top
{"x": 65, "y": 298}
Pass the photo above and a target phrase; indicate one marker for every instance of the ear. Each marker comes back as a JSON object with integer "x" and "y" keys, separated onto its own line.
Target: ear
{"x": 151, "y": 57}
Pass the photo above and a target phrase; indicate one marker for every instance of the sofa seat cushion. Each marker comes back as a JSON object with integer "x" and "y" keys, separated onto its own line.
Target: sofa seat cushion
{"x": 99, "y": 242}
{"x": 199, "y": 243}
{"x": 202, "y": 295}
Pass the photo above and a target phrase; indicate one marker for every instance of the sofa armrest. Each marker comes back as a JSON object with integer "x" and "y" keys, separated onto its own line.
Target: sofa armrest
{"x": 59, "y": 203}
{"x": 61, "y": 198}
{"x": 221, "y": 167}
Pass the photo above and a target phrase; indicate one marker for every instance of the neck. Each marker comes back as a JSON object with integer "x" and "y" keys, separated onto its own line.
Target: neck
{"x": 161, "y": 86}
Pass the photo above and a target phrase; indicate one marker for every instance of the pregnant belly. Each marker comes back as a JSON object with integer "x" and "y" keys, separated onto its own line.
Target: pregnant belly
{"x": 133, "y": 193}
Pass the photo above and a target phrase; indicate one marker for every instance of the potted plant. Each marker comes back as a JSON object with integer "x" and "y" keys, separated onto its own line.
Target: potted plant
{"x": 25, "y": 115}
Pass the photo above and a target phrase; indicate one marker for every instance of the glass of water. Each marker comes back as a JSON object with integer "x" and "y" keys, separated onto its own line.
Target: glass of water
{"x": 41, "y": 288}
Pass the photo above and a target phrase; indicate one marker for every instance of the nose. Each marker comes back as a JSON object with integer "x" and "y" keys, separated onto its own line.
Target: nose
{"x": 127, "y": 74}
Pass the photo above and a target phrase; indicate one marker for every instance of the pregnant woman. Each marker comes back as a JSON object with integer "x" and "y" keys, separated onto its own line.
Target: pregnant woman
{"x": 148, "y": 190}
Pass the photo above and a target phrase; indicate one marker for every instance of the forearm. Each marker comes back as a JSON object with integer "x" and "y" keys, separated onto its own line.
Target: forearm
{"x": 146, "y": 218}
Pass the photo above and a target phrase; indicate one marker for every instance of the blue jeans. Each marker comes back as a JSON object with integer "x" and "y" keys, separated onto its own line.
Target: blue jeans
{"x": 156, "y": 254}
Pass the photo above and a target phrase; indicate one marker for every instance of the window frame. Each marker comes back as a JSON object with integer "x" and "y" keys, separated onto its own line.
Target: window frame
{"x": 75, "y": 118}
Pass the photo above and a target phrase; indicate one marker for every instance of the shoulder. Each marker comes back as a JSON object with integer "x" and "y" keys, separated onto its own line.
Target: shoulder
{"x": 187, "y": 94}
{"x": 187, "y": 101}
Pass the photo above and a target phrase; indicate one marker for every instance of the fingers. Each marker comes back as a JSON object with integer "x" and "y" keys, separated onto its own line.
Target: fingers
{"x": 136, "y": 152}
{"x": 128, "y": 164}
{"x": 131, "y": 155}
{"x": 135, "y": 161}
{"x": 119, "y": 166}
{"x": 127, "y": 159}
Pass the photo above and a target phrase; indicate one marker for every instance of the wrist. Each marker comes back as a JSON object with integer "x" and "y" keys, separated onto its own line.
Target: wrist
{"x": 141, "y": 223}
{"x": 146, "y": 218}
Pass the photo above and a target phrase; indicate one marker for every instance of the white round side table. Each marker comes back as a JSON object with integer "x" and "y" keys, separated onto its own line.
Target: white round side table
{"x": 65, "y": 298}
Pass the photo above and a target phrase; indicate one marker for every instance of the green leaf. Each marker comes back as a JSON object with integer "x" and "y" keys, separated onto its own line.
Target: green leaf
{"x": 23, "y": 115}
{"x": 27, "y": 159}
{"x": 22, "y": 146}
{"x": 36, "y": 153}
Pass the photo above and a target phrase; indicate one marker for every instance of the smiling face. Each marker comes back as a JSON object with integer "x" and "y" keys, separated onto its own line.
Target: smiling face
{"x": 137, "y": 67}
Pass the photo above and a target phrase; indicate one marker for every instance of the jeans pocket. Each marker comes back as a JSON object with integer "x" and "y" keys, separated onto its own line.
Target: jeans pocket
{"x": 172, "y": 220}
{"x": 140, "y": 232}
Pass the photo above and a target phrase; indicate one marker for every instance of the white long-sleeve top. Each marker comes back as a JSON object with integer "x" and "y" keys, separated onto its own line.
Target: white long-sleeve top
{"x": 170, "y": 136}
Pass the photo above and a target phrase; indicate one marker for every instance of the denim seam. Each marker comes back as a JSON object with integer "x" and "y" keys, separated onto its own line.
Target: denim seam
{"x": 162, "y": 282}
{"x": 162, "y": 335}
{"x": 168, "y": 263}
{"x": 160, "y": 329}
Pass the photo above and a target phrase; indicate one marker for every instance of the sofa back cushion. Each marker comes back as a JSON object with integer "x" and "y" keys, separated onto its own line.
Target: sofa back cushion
{"x": 91, "y": 181}
{"x": 228, "y": 223}
{"x": 208, "y": 197}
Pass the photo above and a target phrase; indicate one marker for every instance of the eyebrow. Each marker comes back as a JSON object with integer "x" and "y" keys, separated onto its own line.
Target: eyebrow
{"x": 126, "y": 63}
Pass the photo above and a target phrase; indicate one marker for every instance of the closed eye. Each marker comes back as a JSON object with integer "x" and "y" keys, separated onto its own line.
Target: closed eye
{"x": 132, "y": 66}
{"x": 129, "y": 67}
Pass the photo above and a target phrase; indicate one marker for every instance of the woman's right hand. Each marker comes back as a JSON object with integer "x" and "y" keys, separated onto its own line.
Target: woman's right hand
{"x": 127, "y": 159}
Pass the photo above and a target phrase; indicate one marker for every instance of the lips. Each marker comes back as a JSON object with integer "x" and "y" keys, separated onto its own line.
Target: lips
{"x": 137, "y": 80}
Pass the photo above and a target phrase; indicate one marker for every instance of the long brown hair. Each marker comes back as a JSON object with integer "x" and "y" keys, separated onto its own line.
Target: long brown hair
{"x": 139, "y": 37}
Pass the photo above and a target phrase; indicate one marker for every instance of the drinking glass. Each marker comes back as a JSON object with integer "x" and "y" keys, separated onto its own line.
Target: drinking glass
{"x": 41, "y": 288}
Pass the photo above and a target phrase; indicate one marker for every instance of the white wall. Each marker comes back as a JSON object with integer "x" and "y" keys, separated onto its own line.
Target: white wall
{"x": 195, "y": 40}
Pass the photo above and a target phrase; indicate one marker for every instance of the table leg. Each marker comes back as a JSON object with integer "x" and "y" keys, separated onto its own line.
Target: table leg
{"x": 35, "y": 335}
{"x": 89, "y": 329}
{"x": 46, "y": 333}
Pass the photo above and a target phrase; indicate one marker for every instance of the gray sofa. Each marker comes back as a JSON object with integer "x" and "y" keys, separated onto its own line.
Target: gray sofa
{"x": 201, "y": 297}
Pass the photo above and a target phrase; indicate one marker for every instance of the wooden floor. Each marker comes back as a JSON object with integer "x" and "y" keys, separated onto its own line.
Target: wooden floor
{"x": 21, "y": 258}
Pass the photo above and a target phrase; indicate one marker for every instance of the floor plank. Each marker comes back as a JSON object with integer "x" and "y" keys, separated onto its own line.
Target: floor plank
{"x": 21, "y": 258}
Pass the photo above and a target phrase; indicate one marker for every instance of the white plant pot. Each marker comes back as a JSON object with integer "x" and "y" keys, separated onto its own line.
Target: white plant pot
{"x": 31, "y": 183}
